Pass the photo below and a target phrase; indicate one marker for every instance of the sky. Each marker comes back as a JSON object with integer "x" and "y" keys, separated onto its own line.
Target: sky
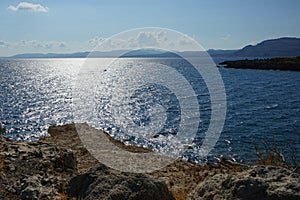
{"x": 65, "y": 26}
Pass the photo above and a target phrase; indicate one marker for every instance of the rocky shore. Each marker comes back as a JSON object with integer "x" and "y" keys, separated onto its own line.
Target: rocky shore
{"x": 290, "y": 64}
{"x": 59, "y": 167}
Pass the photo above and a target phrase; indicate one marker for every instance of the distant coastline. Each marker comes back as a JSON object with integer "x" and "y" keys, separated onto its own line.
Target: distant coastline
{"x": 290, "y": 64}
{"x": 280, "y": 47}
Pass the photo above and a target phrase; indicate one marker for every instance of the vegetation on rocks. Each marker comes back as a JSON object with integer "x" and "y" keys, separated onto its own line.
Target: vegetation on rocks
{"x": 271, "y": 154}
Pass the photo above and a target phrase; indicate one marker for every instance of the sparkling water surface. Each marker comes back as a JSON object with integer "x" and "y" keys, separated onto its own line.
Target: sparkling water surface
{"x": 261, "y": 105}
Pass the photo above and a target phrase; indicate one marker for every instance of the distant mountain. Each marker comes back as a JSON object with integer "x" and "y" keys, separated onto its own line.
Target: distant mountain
{"x": 148, "y": 53}
{"x": 98, "y": 54}
{"x": 51, "y": 55}
{"x": 282, "y": 47}
{"x": 221, "y": 53}
{"x": 144, "y": 53}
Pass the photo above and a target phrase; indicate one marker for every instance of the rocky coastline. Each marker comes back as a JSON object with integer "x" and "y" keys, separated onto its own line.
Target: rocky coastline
{"x": 60, "y": 167}
{"x": 287, "y": 64}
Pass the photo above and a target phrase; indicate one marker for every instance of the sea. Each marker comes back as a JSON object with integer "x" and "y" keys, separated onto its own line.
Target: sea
{"x": 262, "y": 106}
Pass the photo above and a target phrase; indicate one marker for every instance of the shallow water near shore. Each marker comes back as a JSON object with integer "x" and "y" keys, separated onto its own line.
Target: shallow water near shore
{"x": 261, "y": 105}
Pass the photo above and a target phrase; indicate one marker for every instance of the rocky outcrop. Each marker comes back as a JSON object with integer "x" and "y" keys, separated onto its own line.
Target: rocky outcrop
{"x": 258, "y": 182}
{"x": 290, "y": 64}
{"x": 104, "y": 183}
{"x": 36, "y": 170}
{"x": 66, "y": 136}
{"x": 59, "y": 167}
{"x": 183, "y": 177}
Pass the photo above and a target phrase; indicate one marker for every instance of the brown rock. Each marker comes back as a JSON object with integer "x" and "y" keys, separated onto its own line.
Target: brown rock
{"x": 104, "y": 183}
{"x": 34, "y": 170}
{"x": 258, "y": 182}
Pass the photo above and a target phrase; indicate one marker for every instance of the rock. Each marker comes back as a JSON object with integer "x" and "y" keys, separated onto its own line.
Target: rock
{"x": 291, "y": 64}
{"x": 183, "y": 177}
{"x": 35, "y": 170}
{"x": 104, "y": 183}
{"x": 59, "y": 167}
{"x": 29, "y": 193}
{"x": 258, "y": 182}
{"x": 67, "y": 136}
{"x": 43, "y": 170}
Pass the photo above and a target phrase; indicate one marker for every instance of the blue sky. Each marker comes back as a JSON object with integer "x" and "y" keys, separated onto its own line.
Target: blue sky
{"x": 72, "y": 25}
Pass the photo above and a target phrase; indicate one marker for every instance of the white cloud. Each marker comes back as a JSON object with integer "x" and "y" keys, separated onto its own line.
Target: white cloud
{"x": 9, "y": 48}
{"x": 139, "y": 39}
{"x": 29, "y": 7}
{"x": 35, "y": 45}
{"x": 29, "y": 44}
{"x": 62, "y": 45}
{"x": 4, "y": 44}
{"x": 149, "y": 39}
{"x": 184, "y": 41}
{"x": 226, "y": 37}
{"x": 95, "y": 41}
{"x": 49, "y": 46}
{"x": 145, "y": 38}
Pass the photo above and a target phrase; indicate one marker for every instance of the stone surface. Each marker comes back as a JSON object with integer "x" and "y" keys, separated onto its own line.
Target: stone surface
{"x": 258, "y": 182}
{"x": 43, "y": 170}
{"x": 183, "y": 177}
{"x": 67, "y": 136}
{"x": 59, "y": 167}
{"x": 104, "y": 183}
{"x": 37, "y": 170}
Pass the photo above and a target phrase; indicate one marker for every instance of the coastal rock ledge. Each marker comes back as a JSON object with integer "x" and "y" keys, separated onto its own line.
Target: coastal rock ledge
{"x": 47, "y": 170}
{"x": 258, "y": 182}
{"x": 59, "y": 167}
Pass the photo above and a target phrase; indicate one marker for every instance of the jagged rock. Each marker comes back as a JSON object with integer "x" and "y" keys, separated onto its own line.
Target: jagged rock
{"x": 43, "y": 170}
{"x": 35, "y": 170}
{"x": 104, "y": 183}
{"x": 258, "y": 182}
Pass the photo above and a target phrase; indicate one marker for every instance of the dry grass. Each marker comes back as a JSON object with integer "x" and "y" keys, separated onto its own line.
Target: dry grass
{"x": 180, "y": 195}
{"x": 271, "y": 154}
{"x": 62, "y": 196}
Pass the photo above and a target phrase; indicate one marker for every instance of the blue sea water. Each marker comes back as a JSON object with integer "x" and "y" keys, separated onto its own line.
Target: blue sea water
{"x": 262, "y": 106}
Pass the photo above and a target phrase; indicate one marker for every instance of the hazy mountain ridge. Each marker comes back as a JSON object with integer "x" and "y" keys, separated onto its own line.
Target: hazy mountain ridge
{"x": 281, "y": 47}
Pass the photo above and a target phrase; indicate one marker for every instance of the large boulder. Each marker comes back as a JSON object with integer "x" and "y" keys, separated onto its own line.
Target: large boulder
{"x": 258, "y": 182}
{"x": 105, "y": 183}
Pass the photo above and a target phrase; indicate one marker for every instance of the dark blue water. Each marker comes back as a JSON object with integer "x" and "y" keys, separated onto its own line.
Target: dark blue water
{"x": 261, "y": 105}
